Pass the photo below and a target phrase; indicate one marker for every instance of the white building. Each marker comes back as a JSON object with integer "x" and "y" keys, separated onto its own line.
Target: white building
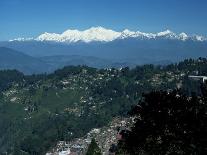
{"x": 203, "y": 78}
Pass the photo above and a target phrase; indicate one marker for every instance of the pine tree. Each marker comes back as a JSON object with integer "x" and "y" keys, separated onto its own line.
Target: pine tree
{"x": 93, "y": 148}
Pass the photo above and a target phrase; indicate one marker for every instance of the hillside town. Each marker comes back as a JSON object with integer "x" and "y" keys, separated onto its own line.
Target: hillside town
{"x": 105, "y": 137}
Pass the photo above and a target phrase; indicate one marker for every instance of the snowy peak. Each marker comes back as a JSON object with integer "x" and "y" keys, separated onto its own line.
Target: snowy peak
{"x": 89, "y": 35}
{"x": 101, "y": 34}
{"x": 165, "y": 33}
{"x": 199, "y": 38}
{"x": 183, "y": 36}
{"x": 48, "y": 37}
{"x": 127, "y": 33}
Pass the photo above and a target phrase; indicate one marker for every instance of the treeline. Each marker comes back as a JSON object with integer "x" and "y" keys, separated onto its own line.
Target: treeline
{"x": 189, "y": 66}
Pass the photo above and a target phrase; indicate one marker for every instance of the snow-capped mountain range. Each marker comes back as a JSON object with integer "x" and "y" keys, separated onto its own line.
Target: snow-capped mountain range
{"x": 100, "y": 47}
{"x": 100, "y": 34}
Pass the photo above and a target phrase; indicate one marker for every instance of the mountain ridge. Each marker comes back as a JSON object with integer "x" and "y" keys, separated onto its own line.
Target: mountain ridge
{"x": 13, "y": 59}
{"x": 101, "y": 34}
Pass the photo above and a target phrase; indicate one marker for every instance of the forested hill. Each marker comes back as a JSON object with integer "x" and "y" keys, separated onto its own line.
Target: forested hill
{"x": 36, "y": 111}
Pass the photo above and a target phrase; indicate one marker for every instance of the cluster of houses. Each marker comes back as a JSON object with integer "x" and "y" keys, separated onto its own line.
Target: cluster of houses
{"x": 106, "y": 137}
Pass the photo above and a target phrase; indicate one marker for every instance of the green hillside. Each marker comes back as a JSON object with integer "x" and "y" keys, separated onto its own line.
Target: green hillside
{"x": 37, "y": 111}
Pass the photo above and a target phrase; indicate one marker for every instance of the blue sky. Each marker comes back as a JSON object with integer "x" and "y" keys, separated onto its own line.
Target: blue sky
{"x": 29, "y": 18}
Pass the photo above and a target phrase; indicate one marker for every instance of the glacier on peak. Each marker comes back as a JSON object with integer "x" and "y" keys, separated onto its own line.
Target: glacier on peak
{"x": 89, "y": 35}
{"x": 183, "y": 36}
{"x": 101, "y": 34}
{"x": 164, "y": 33}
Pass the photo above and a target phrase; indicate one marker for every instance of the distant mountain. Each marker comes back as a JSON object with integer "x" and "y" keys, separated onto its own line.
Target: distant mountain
{"x": 60, "y": 61}
{"x": 132, "y": 50}
{"x": 100, "y": 47}
{"x": 100, "y": 34}
{"x": 11, "y": 59}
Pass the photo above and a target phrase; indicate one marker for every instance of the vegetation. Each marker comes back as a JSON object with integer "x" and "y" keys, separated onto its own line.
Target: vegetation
{"x": 7, "y": 77}
{"x": 167, "y": 123}
{"x": 93, "y": 148}
{"x": 37, "y": 111}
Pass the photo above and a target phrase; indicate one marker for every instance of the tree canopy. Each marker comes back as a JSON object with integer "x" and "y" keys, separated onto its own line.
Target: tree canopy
{"x": 93, "y": 148}
{"x": 167, "y": 123}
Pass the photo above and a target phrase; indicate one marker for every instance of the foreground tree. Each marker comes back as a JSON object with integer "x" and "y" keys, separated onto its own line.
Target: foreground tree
{"x": 167, "y": 123}
{"x": 93, "y": 148}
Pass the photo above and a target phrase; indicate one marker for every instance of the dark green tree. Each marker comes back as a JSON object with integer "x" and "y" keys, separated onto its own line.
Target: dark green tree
{"x": 93, "y": 148}
{"x": 167, "y": 123}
